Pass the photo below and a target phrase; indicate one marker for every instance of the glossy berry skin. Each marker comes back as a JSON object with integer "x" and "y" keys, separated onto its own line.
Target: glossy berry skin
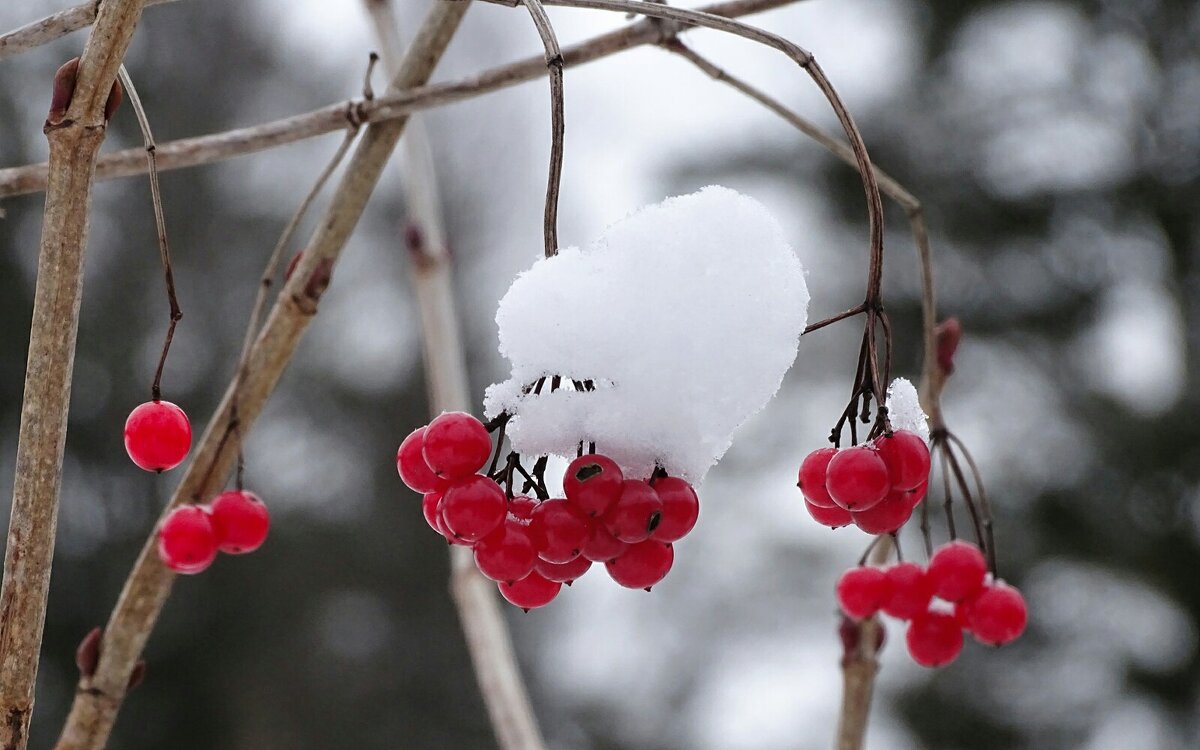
{"x": 857, "y": 478}
{"x": 473, "y": 508}
{"x": 636, "y": 513}
{"x": 158, "y": 436}
{"x": 885, "y": 517}
{"x": 593, "y": 483}
{"x": 522, "y": 507}
{"x": 410, "y": 464}
{"x": 934, "y": 639}
{"x": 456, "y": 445}
{"x": 812, "y": 477}
{"x": 834, "y": 517}
{"x": 530, "y": 592}
{"x": 566, "y": 572}
{"x": 957, "y": 570}
{"x": 642, "y": 565}
{"x": 911, "y": 591}
{"x": 187, "y": 542}
{"x": 431, "y": 508}
{"x": 507, "y": 553}
{"x": 240, "y": 520}
{"x": 862, "y": 591}
{"x": 906, "y": 457}
{"x": 558, "y": 530}
{"x": 681, "y": 509}
{"x": 601, "y": 546}
{"x": 997, "y": 615}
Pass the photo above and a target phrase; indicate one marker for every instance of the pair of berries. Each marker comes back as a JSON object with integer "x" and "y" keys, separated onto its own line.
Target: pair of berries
{"x": 158, "y": 436}
{"x": 235, "y": 522}
{"x": 952, "y": 594}
{"x": 875, "y": 486}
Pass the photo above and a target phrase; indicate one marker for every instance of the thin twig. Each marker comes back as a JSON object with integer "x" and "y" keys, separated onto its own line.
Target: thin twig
{"x": 46, "y": 30}
{"x": 554, "y": 63}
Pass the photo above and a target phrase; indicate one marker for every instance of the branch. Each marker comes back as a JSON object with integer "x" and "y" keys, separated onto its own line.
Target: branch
{"x": 554, "y": 63}
{"x": 99, "y": 696}
{"x": 206, "y": 149}
{"x": 52, "y": 27}
{"x": 75, "y": 130}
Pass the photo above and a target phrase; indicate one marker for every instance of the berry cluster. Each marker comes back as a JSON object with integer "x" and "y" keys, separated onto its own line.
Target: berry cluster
{"x": 531, "y": 547}
{"x": 953, "y": 593}
{"x": 235, "y": 522}
{"x": 158, "y": 436}
{"x": 875, "y": 486}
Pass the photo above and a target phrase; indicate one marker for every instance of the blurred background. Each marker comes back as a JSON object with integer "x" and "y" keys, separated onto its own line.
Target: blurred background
{"x": 1056, "y": 147}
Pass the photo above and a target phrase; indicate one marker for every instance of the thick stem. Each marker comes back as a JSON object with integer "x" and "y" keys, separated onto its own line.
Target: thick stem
{"x": 860, "y": 643}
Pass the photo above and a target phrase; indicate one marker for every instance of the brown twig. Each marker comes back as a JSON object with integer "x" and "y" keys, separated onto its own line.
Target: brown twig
{"x": 75, "y": 132}
{"x": 46, "y": 30}
{"x": 554, "y": 63}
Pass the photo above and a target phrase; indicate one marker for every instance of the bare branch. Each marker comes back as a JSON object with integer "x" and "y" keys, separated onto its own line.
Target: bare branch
{"x": 554, "y": 63}
{"x": 52, "y": 27}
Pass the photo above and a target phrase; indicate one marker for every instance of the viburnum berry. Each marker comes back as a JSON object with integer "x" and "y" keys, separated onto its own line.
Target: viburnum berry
{"x": 456, "y": 445}
{"x": 636, "y": 513}
{"x": 911, "y": 591}
{"x": 681, "y": 509}
{"x": 410, "y": 464}
{"x": 885, "y": 517}
{"x": 602, "y": 546}
{"x": 507, "y": 553}
{"x": 862, "y": 591}
{"x": 593, "y": 483}
{"x": 566, "y": 572}
{"x": 997, "y": 615}
{"x": 934, "y": 639}
{"x": 642, "y": 565}
{"x": 812, "y": 477}
{"x": 957, "y": 570}
{"x": 857, "y": 478}
{"x": 240, "y": 520}
{"x": 531, "y": 592}
{"x": 914, "y": 496}
{"x": 558, "y": 530}
{"x": 187, "y": 542}
{"x": 158, "y": 436}
{"x": 834, "y": 517}
{"x": 431, "y": 508}
{"x": 522, "y": 507}
{"x": 473, "y": 508}
{"x": 906, "y": 457}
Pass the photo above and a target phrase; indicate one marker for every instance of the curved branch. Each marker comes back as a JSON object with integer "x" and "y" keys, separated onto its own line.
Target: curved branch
{"x": 46, "y": 30}
{"x": 554, "y": 63}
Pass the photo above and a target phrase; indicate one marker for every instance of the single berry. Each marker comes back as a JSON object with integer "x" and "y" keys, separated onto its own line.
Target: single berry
{"x": 431, "y": 508}
{"x": 562, "y": 572}
{"x": 558, "y": 530}
{"x": 934, "y": 639}
{"x": 812, "y": 477}
{"x": 602, "y": 546}
{"x": 506, "y": 554}
{"x": 241, "y": 521}
{"x": 186, "y": 540}
{"x": 906, "y": 457}
{"x": 885, "y": 517}
{"x": 522, "y": 507}
{"x": 957, "y": 570}
{"x": 158, "y": 435}
{"x": 410, "y": 464}
{"x": 593, "y": 483}
{"x": 681, "y": 509}
{"x": 997, "y": 615}
{"x": 857, "y": 478}
{"x": 834, "y": 517}
{"x": 914, "y": 496}
{"x": 862, "y": 591}
{"x": 636, "y": 514}
{"x": 456, "y": 445}
{"x": 473, "y": 508}
{"x": 910, "y": 592}
{"x": 530, "y": 592}
{"x": 642, "y": 565}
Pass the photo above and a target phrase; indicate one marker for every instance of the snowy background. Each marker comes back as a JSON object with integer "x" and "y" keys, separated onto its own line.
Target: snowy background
{"x": 1056, "y": 146}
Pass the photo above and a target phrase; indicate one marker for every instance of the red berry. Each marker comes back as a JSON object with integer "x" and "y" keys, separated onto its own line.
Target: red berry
{"x": 857, "y": 478}
{"x": 910, "y": 593}
{"x": 187, "y": 542}
{"x": 934, "y": 639}
{"x": 593, "y": 483}
{"x": 914, "y": 496}
{"x": 522, "y": 507}
{"x": 997, "y": 615}
{"x": 601, "y": 546}
{"x": 562, "y": 572}
{"x": 681, "y": 509}
{"x": 862, "y": 591}
{"x": 812, "y": 477}
{"x": 957, "y": 570}
{"x": 834, "y": 517}
{"x": 530, "y": 592}
{"x": 431, "y": 508}
{"x": 241, "y": 521}
{"x": 885, "y": 517}
{"x": 642, "y": 565}
{"x": 456, "y": 445}
{"x": 906, "y": 457}
{"x": 558, "y": 530}
{"x": 158, "y": 435}
{"x": 507, "y": 553}
{"x": 410, "y": 464}
{"x": 636, "y": 514}
{"x": 473, "y": 508}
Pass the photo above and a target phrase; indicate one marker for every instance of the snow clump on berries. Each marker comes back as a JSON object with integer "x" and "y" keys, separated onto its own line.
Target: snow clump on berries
{"x": 904, "y": 409}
